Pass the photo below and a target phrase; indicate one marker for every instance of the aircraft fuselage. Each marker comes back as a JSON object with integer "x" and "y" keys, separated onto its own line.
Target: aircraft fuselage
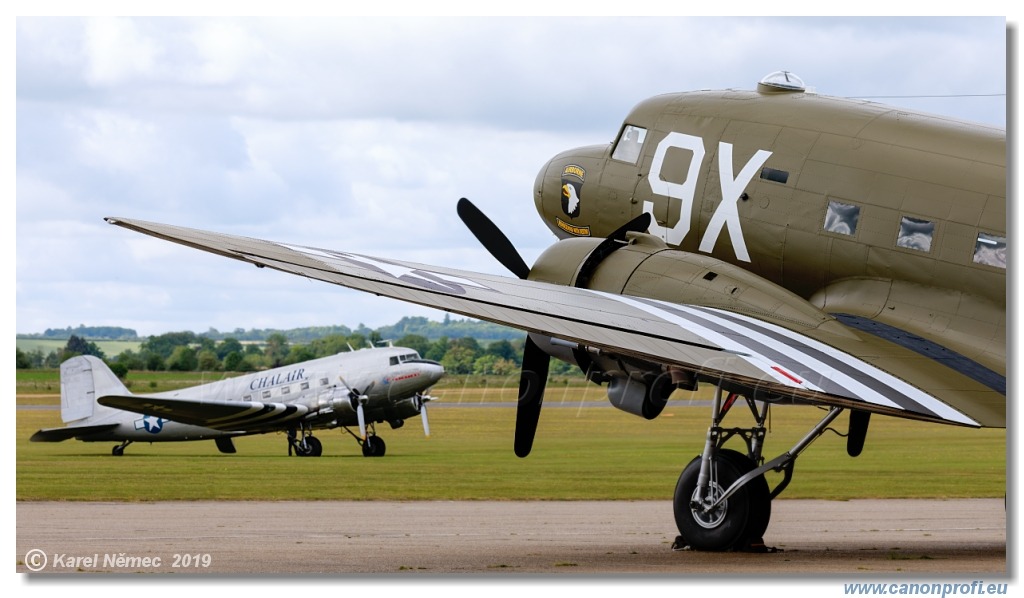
{"x": 862, "y": 209}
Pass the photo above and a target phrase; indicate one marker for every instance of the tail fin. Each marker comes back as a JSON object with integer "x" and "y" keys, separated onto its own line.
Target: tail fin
{"x": 82, "y": 380}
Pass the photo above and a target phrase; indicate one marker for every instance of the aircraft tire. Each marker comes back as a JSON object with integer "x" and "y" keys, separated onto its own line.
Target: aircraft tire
{"x": 745, "y": 514}
{"x": 303, "y": 448}
{"x": 117, "y": 451}
{"x": 760, "y": 497}
{"x": 316, "y": 448}
{"x": 374, "y": 446}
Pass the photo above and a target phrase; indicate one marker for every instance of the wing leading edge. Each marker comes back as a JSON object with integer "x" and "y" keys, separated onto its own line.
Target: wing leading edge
{"x": 852, "y": 369}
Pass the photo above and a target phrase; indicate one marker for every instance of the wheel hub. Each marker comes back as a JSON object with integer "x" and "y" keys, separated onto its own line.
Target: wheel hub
{"x": 698, "y": 507}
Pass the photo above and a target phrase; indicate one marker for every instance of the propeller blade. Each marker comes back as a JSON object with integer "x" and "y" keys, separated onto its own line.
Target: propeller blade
{"x": 362, "y": 420}
{"x": 426, "y": 424}
{"x": 532, "y": 381}
{"x": 491, "y": 237}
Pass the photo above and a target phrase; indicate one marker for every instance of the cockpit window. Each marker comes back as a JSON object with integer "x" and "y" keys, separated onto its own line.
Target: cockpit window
{"x": 915, "y": 233}
{"x": 990, "y": 250}
{"x": 842, "y": 218}
{"x": 628, "y": 147}
{"x": 397, "y": 359}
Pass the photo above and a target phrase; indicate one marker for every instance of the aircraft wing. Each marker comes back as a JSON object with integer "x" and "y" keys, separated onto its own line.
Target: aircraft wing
{"x": 827, "y": 365}
{"x": 218, "y": 415}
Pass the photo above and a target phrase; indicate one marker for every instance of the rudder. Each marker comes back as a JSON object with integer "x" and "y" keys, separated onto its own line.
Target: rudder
{"x": 82, "y": 380}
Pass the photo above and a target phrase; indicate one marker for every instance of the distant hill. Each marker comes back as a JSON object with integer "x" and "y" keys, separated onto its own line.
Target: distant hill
{"x": 434, "y": 330}
{"x": 105, "y": 333}
{"x": 431, "y": 329}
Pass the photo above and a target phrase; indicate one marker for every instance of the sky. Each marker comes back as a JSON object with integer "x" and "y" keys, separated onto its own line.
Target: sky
{"x": 360, "y": 134}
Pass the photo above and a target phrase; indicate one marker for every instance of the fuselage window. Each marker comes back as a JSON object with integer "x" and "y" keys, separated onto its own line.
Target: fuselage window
{"x": 842, "y": 218}
{"x": 915, "y": 233}
{"x": 304, "y": 386}
{"x": 990, "y": 250}
{"x": 266, "y": 394}
{"x": 771, "y": 174}
{"x": 286, "y": 390}
{"x": 628, "y": 147}
{"x": 323, "y": 382}
{"x": 394, "y": 360}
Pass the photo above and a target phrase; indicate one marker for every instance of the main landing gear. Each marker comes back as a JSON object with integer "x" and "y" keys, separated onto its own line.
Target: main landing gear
{"x": 301, "y": 442}
{"x": 722, "y": 500}
{"x": 304, "y": 444}
{"x": 373, "y": 445}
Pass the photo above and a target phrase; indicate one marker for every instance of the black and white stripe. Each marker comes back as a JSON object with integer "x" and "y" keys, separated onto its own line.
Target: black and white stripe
{"x": 258, "y": 414}
{"x": 797, "y": 361}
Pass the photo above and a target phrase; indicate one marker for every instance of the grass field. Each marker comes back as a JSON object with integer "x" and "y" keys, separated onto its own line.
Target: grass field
{"x": 109, "y": 348}
{"x": 582, "y": 452}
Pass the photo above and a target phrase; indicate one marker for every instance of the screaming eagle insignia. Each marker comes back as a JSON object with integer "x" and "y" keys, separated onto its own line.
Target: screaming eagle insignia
{"x": 572, "y": 186}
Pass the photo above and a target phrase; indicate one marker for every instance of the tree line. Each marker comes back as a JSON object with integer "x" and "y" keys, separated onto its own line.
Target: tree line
{"x": 187, "y": 351}
{"x": 421, "y": 326}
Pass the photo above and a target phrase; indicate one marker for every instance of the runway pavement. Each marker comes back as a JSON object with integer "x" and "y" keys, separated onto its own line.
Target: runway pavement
{"x": 961, "y": 538}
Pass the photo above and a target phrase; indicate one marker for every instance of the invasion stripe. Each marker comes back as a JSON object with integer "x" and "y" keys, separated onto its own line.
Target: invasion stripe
{"x": 793, "y": 361}
{"x": 835, "y": 377}
{"x": 876, "y": 377}
{"x": 693, "y": 324}
{"x": 254, "y": 409}
{"x": 866, "y": 382}
{"x": 863, "y": 385}
{"x": 270, "y": 413}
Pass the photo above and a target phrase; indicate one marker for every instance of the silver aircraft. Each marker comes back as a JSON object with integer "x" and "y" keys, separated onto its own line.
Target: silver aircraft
{"x": 354, "y": 389}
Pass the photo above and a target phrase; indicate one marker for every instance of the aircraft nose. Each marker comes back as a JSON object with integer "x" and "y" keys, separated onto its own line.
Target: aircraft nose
{"x": 565, "y": 191}
{"x": 433, "y": 371}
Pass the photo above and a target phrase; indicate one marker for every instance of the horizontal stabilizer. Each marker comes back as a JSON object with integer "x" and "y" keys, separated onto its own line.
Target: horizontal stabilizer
{"x": 62, "y": 434}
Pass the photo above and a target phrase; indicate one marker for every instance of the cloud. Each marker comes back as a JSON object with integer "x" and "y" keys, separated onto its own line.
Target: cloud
{"x": 361, "y": 133}
{"x": 117, "y": 51}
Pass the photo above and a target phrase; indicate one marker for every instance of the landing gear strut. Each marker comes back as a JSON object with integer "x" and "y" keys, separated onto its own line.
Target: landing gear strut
{"x": 306, "y": 446}
{"x": 118, "y": 450}
{"x": 722, "y": 500}
{"x": 373, "y": 445}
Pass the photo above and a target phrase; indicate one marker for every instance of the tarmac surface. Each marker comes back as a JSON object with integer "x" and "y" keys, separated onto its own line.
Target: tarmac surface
{"x": 909, "y": 538}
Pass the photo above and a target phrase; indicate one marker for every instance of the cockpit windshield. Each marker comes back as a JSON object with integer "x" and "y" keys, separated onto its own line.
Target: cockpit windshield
{"x": 630, "y": 142}
{"x": 397, "y": 359}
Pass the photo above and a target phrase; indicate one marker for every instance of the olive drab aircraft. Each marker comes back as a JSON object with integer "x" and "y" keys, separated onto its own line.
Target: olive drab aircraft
{"x": 353, "y": 389}
{"x": 781, "y": 246}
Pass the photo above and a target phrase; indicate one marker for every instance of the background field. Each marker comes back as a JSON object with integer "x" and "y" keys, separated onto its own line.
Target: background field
{"x": 584, "y": 450}
{"x": 109, "y": 348}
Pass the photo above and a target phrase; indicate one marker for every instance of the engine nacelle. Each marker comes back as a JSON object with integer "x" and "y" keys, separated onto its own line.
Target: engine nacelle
{"x": 644, "y": 266}
{"x": 641, "y": 265}
{"x": 634, "y": 386}
{"x": 335, "y": 402}
{"x": 645, "y": 396}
